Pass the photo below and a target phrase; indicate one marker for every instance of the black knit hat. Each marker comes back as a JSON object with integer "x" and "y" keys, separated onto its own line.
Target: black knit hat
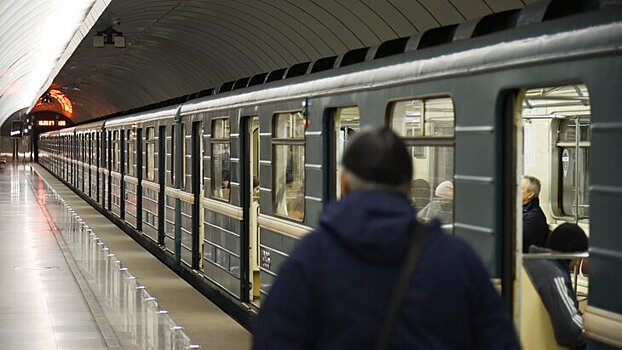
{"x": 567, "y": 238}
{"x": 378, "y": 155}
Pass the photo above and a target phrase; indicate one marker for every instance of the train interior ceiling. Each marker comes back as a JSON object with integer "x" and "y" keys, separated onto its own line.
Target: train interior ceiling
{"x": 222, "y": 187}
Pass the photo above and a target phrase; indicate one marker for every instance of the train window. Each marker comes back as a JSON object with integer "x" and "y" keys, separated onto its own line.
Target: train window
{"x": 131, "y": 145}
{"x": 427, "y": 127}
{"x": 559, "y": 116}
{"x": 423, "y": 118}
{"x": 288, "y": 150}
{"x": 115, "y": 151}
{"x": 221, "y": 153}
{"x": 150, "y": 160}
{"x": 347, "y": 122}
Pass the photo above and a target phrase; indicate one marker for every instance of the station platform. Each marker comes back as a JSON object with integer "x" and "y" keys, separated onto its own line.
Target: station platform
{"x": 73, "y": 280}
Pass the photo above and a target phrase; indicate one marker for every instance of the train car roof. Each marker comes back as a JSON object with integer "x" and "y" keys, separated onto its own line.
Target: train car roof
{"x": 165, "y": 112}
{"x": 50, "y": 133}
{"x": 67, "y": 131}
{"x": 541, "y": 41}
{"x": 98, "y": 125}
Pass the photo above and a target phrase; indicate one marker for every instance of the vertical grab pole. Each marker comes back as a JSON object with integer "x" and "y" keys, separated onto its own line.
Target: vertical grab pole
{"x": 577, "y": 149}
{"x": 178, "y": 164}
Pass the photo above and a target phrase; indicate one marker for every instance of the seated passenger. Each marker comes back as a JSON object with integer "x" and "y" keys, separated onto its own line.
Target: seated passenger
{"x": 551, "y": 278}
{"x": 255, "y": 188}
{"x": 420, "y": 193}
{"x": 535, "y": 228}
{"x": 441, "y": 206}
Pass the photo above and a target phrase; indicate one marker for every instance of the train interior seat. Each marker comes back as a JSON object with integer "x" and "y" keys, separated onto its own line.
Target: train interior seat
{"x": 536, "y": 330}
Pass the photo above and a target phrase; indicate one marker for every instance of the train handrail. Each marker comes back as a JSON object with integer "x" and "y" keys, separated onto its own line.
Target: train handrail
{"x": 151, "y": 185}
{"x": 283, "y": 227}
{"x": 603, "y": 325}
{"x": 551, "y": 256}
{"x": 226, "y": 209}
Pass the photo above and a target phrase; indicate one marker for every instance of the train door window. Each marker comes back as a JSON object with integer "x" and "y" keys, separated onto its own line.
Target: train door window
{"x": 172, "y": 155}
{"x": 94, "y": 148}
{"x": 347, "y": 121}
{"x": 558, "y": 116}
{"x": 184, "y": 140}
{"x": 427, "y": 128}
{"x": 150, "y": 161}
{"x": 131, "y": 146}
{"x": 115, "y": 151}
{"x": 288, "y": 150}
{"x": 221, "y": 159}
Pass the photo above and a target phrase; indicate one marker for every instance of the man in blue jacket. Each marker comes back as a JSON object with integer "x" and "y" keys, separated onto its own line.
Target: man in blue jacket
{"x": 333, "y": 291}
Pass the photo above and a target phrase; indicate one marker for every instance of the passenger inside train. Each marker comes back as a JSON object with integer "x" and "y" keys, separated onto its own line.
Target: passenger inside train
{"x": 554, "y": 285}
{"x": 420, "y": 193}
{"x": 441, "y": 206}
{"x": 535, "y": 228}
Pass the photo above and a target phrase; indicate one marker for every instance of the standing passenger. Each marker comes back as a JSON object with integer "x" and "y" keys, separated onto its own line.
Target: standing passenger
{"x": 552, "y": 281}
{"x": 535, "y": 228}
{"x": 334, "y": 290}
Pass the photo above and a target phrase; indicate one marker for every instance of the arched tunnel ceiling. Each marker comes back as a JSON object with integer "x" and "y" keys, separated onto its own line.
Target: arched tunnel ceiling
{"x": 174, "y": 48}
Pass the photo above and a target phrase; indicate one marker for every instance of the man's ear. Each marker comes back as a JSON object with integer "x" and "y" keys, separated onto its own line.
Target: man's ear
{"x": 531, "y": 195}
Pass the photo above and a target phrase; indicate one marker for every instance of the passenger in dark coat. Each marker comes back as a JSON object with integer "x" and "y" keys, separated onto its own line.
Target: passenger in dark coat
{"x": 334, "y": 289}
{"x": 551, "y": 278}
{"x": 535, "y": 228}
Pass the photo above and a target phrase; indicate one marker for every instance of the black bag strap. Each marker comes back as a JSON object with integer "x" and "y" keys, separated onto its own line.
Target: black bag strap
{"x": 419, "y": 233}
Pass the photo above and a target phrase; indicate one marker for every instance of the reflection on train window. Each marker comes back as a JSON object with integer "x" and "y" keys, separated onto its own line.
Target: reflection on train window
{"x": 288, "y": 161}
{"x": 150, "y": 161}
{"x": 427, "y": 127}
{"x": 115, "y": 151}
{"x": 221, "y": 159}
{"x": 347, "y": 122}
{"x": 559, "y": 116}
{"x": 131, "y": 143}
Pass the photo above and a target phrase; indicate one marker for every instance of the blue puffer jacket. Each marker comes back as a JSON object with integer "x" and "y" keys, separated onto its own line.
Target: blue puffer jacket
{"x": 333, "y": 291}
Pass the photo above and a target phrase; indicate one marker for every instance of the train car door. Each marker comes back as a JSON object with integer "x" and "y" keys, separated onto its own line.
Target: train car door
{"x": 343, "y": 124}
{"x": 551, "y": 158}
{"x": 197, "y": 180}
{"x": 250, "y": 188}
{"x": 161, "y": 181}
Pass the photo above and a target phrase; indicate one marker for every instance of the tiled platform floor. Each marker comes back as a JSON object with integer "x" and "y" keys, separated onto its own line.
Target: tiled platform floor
{"x": 49, "y": 300}
{"x": 41, "y": 304}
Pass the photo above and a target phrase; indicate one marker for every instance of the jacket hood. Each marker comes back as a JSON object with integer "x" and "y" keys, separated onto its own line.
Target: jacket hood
{"x": 374, "y": 225}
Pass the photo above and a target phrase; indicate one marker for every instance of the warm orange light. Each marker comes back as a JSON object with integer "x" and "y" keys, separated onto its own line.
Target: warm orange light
{"x": 63, "y": 100}
{"x": 55, "y": 100}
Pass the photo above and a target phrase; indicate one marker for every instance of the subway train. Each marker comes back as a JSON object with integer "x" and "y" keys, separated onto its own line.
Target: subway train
{"x": 221, "y": 187}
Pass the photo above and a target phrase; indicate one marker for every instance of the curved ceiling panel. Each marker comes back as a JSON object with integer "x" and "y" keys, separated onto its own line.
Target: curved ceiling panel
{"x": 175, "y": 48}
{"x": 33, "y": 36}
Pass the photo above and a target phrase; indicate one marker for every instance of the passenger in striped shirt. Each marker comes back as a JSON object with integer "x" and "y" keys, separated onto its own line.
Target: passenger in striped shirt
{"x": 552, "y": 281}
